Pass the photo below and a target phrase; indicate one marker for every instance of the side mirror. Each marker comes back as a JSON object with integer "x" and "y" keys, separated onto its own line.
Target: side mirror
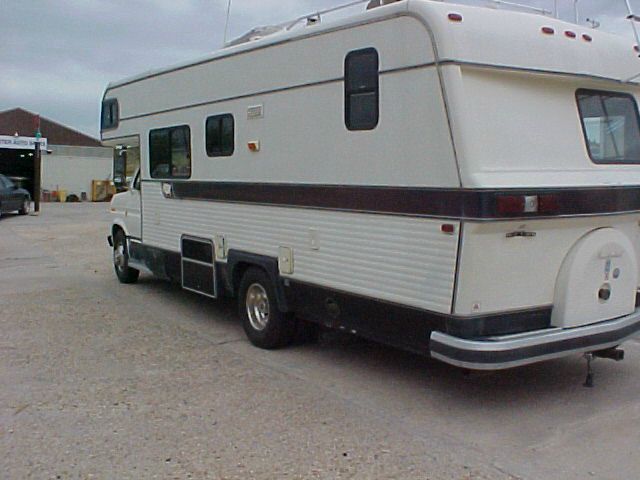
{"x": 120, "y": 183}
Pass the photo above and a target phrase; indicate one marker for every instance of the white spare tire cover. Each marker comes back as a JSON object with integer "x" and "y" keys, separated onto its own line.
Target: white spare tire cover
{"x": 597, "y": 280}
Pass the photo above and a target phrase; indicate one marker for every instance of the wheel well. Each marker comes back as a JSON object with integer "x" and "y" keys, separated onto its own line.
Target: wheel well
{"x": 238, "y": 273}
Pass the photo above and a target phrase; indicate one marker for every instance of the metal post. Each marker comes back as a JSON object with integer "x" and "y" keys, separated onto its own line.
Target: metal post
{"x": 36, "y": 177}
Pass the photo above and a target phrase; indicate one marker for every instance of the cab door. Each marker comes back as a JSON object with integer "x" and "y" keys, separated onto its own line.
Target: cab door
{"x": 133, "y": 208}
{"x": 126, "y": 178}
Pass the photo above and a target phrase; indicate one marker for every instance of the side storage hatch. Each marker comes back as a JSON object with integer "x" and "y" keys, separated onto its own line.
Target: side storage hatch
{"x": 198, "y": 266}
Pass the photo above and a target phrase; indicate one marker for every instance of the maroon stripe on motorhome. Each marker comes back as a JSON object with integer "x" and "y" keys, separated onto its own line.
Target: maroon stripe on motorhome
{"x": 482, "y": 204}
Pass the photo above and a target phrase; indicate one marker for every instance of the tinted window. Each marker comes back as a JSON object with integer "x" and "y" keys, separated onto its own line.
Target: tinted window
{"x": 220, "y": 135}
{"x": 110, "y": 114}
{"x": 361, "y": 89}
{"x": 170, "y": 152}
{"x": 610, "y": 125}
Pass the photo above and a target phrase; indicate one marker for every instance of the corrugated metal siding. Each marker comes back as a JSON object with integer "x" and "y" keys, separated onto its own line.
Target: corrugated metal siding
{"x": 399, "y": 259}
{"x": 85, "y": 152}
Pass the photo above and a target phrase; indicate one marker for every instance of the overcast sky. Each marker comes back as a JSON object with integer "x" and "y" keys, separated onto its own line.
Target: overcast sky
{"x": 57, "y": 56}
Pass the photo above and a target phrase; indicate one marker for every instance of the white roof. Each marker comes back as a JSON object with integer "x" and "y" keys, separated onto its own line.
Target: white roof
{"x": 485, "y": 37}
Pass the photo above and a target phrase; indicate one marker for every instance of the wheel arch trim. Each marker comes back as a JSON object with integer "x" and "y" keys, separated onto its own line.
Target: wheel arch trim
{"x": 238, "y": 261}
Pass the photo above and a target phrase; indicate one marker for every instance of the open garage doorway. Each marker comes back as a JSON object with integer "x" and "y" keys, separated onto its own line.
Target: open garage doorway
{"x": 18, "y": 165}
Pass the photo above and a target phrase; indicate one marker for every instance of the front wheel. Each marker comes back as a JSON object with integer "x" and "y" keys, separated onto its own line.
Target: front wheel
{"x": 265, "y": 325}
{"x": 124, "y": 273}
{"x": 26, "y": 206}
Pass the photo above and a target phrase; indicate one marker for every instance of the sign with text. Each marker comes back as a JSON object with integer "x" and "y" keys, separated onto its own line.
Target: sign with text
{"x": 21, "y": 143}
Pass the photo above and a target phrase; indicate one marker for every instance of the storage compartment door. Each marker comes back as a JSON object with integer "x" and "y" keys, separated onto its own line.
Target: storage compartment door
{"x": 198, "y": 266}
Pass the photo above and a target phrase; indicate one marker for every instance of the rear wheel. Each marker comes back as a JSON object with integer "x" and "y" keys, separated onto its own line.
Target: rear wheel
{"x": 26, "y": 206}
{"x": 265, "y": 325}
{"x": 124, "y": 273}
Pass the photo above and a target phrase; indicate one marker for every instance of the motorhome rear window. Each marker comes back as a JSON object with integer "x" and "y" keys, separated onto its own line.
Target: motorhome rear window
{"x": 110, "y": 114}
{"x": 170, "y": 152}
{"x": 220, "y": 135}
{"x": 611, "y": 126}
{"x": 361, "y": 89}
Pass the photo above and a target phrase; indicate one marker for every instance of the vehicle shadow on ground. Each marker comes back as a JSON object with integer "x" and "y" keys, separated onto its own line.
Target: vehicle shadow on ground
{"x": 7, "y": 216}
{"x": 531, "y": 385}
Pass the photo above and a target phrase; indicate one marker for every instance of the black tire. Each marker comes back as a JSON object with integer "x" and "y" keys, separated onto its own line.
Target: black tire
{"x": 265, "y": 325}
{"x": 124, "y": 273}
{"x": 26, "y": 206}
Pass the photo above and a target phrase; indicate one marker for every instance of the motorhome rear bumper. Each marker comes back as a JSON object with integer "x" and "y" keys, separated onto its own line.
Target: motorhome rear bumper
{"x": 496, "y": 353}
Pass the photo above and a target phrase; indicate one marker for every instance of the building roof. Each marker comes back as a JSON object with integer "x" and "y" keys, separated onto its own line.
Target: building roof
{"x": 23, "y": 122}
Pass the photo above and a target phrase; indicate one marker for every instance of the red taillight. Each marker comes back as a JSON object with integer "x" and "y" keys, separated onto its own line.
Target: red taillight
{"x": 548, "y": 30}
{"x": 510, "y": 204}
{"x": 548, "y": 203}
{"x": 455, "y": 17}
{"x": 587, "y": 38}
{"x": 448, "y": 228}
{"x": 570, "y": 34}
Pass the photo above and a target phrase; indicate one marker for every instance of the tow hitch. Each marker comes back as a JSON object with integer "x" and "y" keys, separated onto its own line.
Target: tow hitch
{"x": 614, "y": 353}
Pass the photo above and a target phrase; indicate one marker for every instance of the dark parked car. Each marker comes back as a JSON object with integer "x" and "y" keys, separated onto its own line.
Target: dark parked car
{"x": 13, "y": 198}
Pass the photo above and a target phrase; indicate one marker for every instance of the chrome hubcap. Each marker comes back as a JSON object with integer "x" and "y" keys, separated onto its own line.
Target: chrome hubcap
{"x": 257, "y": 303}
{"x": 119, "y": 259}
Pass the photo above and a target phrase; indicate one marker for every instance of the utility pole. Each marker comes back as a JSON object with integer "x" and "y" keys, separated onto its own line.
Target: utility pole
{"x": 37, "y": 163}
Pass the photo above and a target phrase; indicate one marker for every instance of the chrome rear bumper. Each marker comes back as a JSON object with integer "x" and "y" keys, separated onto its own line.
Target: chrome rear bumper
{"x": 497, "y": 353}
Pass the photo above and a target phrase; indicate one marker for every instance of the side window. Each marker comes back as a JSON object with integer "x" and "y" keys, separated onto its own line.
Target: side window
{"x": 219, "y": 136}
{"x": 110, "y": 114}
{"x": 361, "y": 89}
{"x": 611, "y": 126}
{"x": 170, "y": 152}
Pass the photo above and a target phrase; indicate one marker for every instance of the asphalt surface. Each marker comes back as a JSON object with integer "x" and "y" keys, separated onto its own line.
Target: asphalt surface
{"x": 103, "y": 380}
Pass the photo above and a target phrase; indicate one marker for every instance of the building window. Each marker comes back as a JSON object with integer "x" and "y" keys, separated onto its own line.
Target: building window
{"x": 361, "y": 90}
{"x": 170, "y": 152}
{"x": 611, "y": 126}
{"x": 110, "y": 114}
{"x": 219, "y": 137}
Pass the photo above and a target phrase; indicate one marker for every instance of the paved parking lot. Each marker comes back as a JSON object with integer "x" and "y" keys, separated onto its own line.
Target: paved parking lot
{"x": 102, "y": 380}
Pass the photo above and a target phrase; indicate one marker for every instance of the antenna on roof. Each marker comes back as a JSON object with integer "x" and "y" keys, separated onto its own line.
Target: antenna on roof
{"x": 226, "y": 24}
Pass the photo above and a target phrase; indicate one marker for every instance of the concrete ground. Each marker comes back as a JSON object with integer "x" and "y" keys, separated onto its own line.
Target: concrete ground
{"x": 103, "y": 380}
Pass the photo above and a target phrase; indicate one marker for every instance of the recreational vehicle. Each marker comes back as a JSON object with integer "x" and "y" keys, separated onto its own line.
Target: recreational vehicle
{"x": 455, "y": 180}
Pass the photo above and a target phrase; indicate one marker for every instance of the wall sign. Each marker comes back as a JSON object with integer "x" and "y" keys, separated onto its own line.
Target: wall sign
{"x": 21, "y": 143}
